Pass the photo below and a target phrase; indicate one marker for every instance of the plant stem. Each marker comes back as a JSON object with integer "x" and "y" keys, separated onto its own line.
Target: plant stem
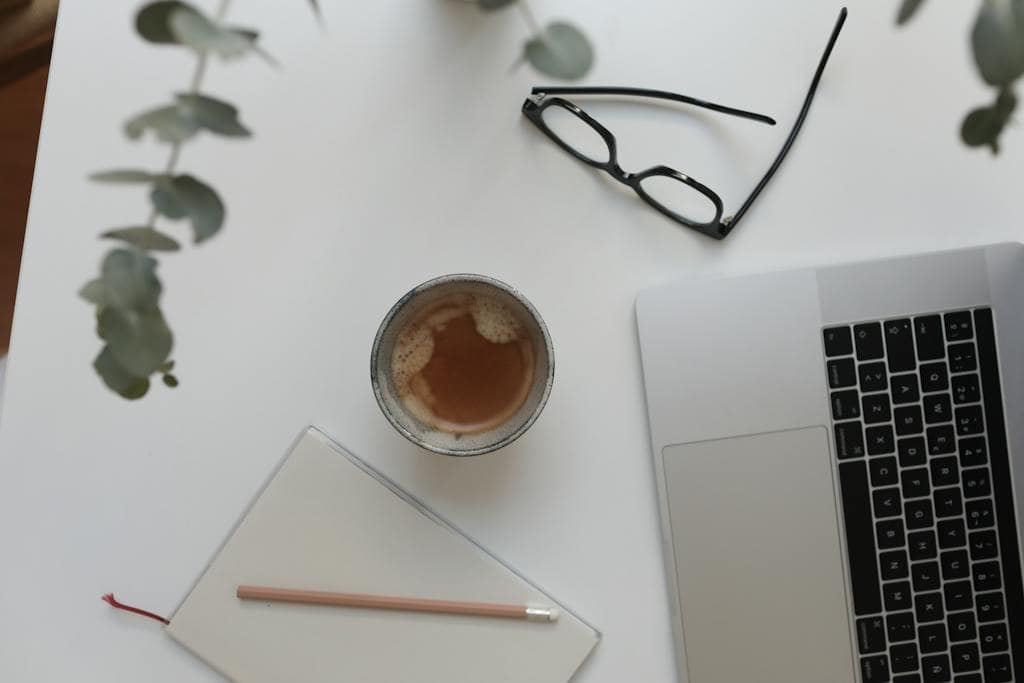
{"x": 197, "y": 79}
{"x": 529, "y": 17}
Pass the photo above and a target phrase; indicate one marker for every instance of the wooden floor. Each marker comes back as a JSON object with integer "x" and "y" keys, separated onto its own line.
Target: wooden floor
{"x": 21, "y": 106}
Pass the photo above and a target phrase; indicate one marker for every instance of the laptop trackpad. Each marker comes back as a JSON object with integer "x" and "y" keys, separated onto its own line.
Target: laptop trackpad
{"x": 759, "y": 566}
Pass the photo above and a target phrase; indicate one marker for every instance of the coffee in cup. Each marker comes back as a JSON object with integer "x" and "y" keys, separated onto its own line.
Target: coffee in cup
{"x": 462, "y": 365}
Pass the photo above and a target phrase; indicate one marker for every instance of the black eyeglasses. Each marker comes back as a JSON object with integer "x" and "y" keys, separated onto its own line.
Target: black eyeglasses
{"x": 664, "y": 188}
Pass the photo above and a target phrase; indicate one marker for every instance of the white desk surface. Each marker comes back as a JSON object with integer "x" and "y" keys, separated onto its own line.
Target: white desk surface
{"x": 388, "y": 150}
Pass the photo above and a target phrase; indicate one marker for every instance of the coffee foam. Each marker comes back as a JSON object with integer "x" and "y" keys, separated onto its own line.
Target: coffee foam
{"x": 414, "y": 347}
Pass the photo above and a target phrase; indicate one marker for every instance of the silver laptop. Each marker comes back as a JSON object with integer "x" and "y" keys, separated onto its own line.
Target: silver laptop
{"x": 835, "y": 451}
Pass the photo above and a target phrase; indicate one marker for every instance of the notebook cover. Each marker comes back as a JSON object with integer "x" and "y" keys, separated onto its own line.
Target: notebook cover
{"x": 327, "y": 521}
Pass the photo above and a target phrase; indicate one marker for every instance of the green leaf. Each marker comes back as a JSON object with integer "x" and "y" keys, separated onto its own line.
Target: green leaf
{"x": 907, "y": 10}
{"x": 184, "y": 195}
{"x": 170, "y": 380}
{"x": 129, "y": 277}
{"x": 144, "y": 238}
{"x": 151, "y": 22}
{"x": 493, "y": 4}
{"x": 982, "y": 126}
{"x": 167, "y": 367}
{"x": 139, "y": 341}
{"x": 117, "y": 378}
{"x": 998, "y": 41}
{"x": 170, "y": 124}
{"x": 561, "y": 51}
{"x": 206, "y": 35}
{"x": 123, "y": 176}
{"x": 95, "y": 291}
{"x": 214, "y": 115}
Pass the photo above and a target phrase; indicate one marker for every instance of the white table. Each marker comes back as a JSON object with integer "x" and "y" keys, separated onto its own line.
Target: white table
{"x": 390, "y": 149}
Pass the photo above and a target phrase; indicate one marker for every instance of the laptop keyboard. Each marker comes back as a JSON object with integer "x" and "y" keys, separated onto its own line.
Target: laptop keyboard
{"x": 927, "y": 501}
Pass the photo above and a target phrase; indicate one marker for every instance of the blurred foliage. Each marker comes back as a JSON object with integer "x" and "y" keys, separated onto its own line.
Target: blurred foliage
{"x": 997, "y": 42}
{"x": 137, "y": 341}
{"x": 558, "y": 49}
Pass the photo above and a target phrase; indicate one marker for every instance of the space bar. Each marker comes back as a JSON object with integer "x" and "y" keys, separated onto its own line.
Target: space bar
{"x": 860, "y": 538}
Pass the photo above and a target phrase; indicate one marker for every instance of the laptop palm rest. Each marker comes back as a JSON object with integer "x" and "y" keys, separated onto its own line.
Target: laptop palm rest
{"x": 758, "y": 559}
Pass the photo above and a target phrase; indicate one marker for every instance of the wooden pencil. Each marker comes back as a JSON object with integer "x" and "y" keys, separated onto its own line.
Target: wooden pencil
{"x": 390, "y": 602}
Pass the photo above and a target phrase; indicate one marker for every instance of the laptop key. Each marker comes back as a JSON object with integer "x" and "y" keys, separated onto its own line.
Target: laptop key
{"x": 934, "y": 377}
{"x": 899, "y": 345}
{"x": 990, "y": 607}
{"x": 965, "y": 657}
{"x": 958, "y": 595}
{"x": 884, "y": 471}
{"x": 903, "y": 657}
{"x": 958, "y": 326}
{"x": 979, "y": 514}
{"x": 867, "y": 339}
{"x": 908, "y": 420}
{"x": 976, "y": 483}
{"x": 993, "y": 638}
{"x": 966, "y": 389}
{"x": 945, "y": 471}
{"x": 952, "y": 533}
{"x": 941, "y": 440}
{"x": 838, "y": 341}
{"x": 911, "y": 451}
{"x": 929, "y": 335}
{"x": 860, "y": 541}
{"x": 907, "y": 678}
{"x": 986, "y": 576}
{"x": 973, "y": 451}
{"x": 880, "y": 440}
{"x": 961, "y": 627}
{"x": 919, "y": 513}
{"x": 968, "y": 678}
{"x": 894, "y": 565}
{"x": 849, "y": 440}
{"x": 937, "y": 408}
{"x": 922, "y": 545}
{"x": 876, "y": 408}
{"x": 890, "y": 534}
{"x": 887, "y": 502}
{"x": 968, "y": 420}
{"x": 962, "y": 357}
{"x": 984, "y": 545}
{"x": 928, "y": 607}
{"x": 948, "y": 502}
{"x": 932, "y": 638}
{"x": 915, "y": 482}
{"x": 926, "y": 576}
{"x": 870, "y": 635}
{"x": 874, "y": 669}
{"x": 897, "y": 595}
{"x": 842, "y": 372}
{"x": 900, "y": 627}
{"x": 873, "y": 377}
{"x": 955, "y": 565}
{"x": 845, "y": 404}
{"x": 905, "y": 389}
{"x": 997, "y": 669}
{"x": 935, "y": 669}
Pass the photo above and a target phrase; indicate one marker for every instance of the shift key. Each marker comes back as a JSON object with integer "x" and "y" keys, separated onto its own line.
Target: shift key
{"x": 860, "y": 538}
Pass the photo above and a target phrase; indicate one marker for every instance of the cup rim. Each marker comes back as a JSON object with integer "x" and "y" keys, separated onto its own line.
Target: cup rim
{"x": 430, "y": 284}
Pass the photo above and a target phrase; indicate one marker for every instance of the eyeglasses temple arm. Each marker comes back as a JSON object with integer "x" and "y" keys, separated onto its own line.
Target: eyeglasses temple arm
{"x": 654, "y": 94}
{"x": 731, "y": 222}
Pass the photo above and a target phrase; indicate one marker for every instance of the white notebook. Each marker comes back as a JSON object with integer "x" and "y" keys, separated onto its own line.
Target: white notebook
{"x": 326, "y": 521}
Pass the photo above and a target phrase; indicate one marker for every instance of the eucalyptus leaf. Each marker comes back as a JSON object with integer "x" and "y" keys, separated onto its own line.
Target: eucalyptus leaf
{"x": 203, "y": 34}
{"x": 140, "y": 341}
{"x": 183, "y": 196}
{"x": 123, "y": 176}
{"x": 170, "y": 124}
{"x": 998, "y": 41}
{"x": 96, "y": 292}
{"x": 117, "y": 378}
{"x": 144, "y": 237}
{"x": 214, "y": 115}
{"x": 907, "y": 10}
{"x": 982, "y": 126}
{"x": 152, "y": 21}
{"x": 167, "y": 367}
{"x": 170, "y": 380}
{"x": 560, "y": 50}
{"x": 493, "y": 4}
{"x": 130, "y": 280}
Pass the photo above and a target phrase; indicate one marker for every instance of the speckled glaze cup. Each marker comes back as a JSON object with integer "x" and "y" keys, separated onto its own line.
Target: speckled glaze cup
{"x": 407, "y": 309}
